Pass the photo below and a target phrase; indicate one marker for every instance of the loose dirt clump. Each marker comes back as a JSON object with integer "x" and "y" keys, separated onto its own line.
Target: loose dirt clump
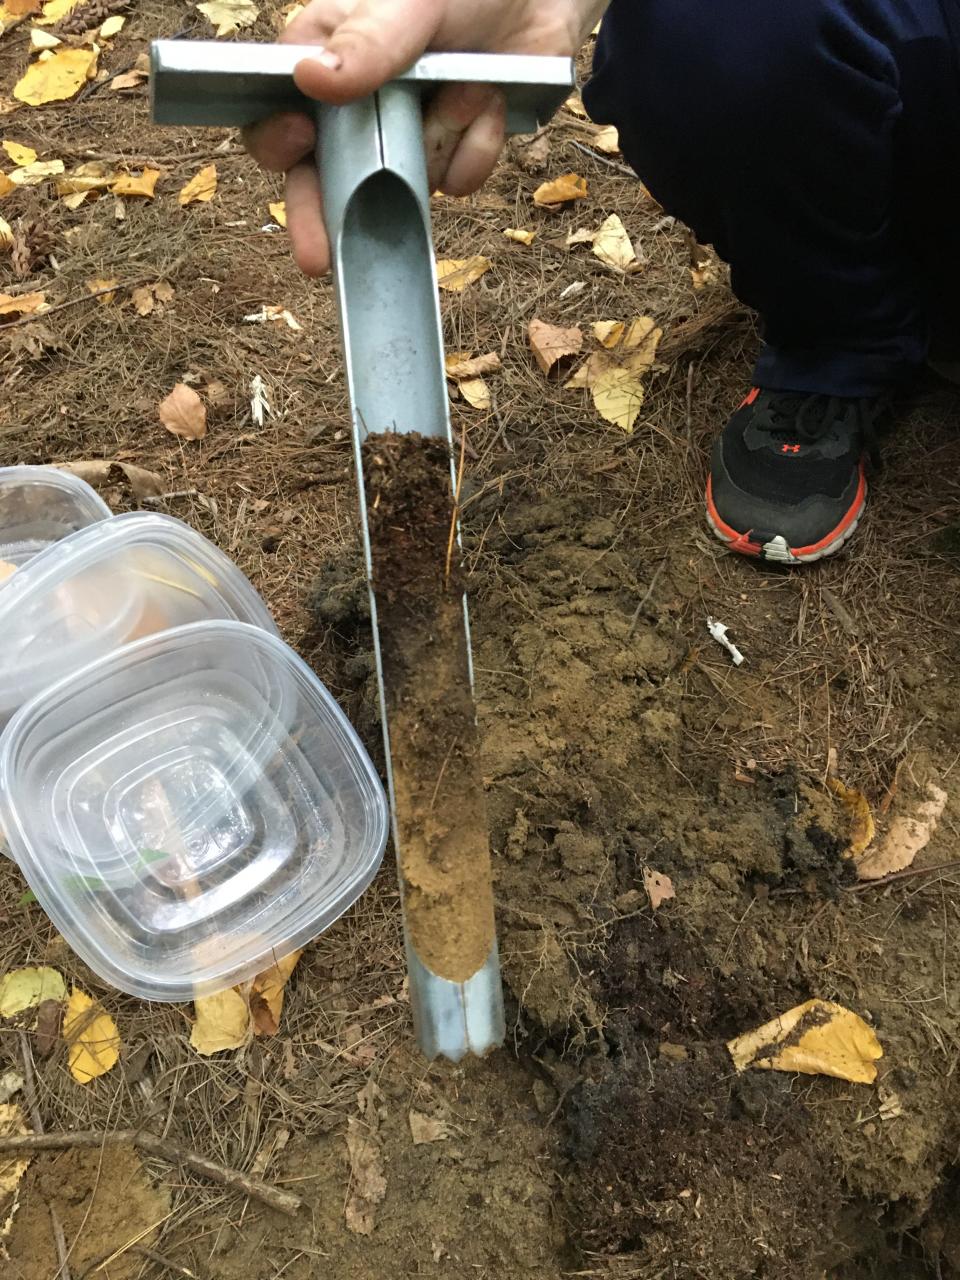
{"x": 440, "y": 811}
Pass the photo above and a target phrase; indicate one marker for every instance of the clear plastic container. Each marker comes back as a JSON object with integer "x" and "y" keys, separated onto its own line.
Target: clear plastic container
{"x": 189, "y": 808}
{"x": 39, "y": 506}
{"x": 106, "y": 585}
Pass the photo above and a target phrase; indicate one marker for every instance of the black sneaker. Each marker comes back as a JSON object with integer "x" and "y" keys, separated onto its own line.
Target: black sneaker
{"x": 788, "y": 476}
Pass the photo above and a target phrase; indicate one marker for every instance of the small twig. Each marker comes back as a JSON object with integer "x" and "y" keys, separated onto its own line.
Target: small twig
{"x": 689, "y": 415}
{"x": 74, "y": 302}
{"x": 613, "y": 164}
{"x": 456, "y": 507}
{"x": 63, "y": 1254}
{"x": 645, "y": 597}
{"x": 443, "y": 769}
{"x": 284, "y": 1201}
{"x": 173, "y": 1267}
{"x": 166, "y": 497}
{"x": 901, "y": 875}
{"x": 839, "y": 611}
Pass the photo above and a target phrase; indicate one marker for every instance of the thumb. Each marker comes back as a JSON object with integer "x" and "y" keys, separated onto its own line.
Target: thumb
{"x": 375, "y": 42}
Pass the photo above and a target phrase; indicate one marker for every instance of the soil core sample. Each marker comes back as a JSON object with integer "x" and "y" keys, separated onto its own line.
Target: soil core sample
{"x": 441, "y": 818}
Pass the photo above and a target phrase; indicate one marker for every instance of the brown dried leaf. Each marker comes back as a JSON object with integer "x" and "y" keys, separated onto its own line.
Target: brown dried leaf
{"x": 6, "y": 186}
{"x": 862, "y": 828}
{"x": 127, "y": 80}
{"x": 183, "y": 413}
{"x": 142, "y": 299}
{"x": 266, "y": 994}
{"x": 570, "y": 186}
{"x": 424, "y": 1128}
{"x": 551, "y": 343}
{"x": 47, "y": 1033}
{"x": 368, "y": 1183}
{"x": 908, "y": 835}
{"x": 532, "y": 153}
{"x": 658, "y": 886}
{"x": 103, "y": 474}
{"x": 476, "y": 393}
{"x": 6, "y": 234}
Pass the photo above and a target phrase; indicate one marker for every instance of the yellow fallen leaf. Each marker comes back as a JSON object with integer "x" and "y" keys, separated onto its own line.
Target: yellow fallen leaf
{"x": 575, "y": 104}
{"x": 12, "y": 1165}
{"x": 92, "y": 1037}
{"x": 143, "y": 300}
{"x": 520, "y": 235}
{"x": 550, "y": 343}
{"x": 458, "y": 364}
{"x": 201, "y": 188}
{"x": 611, "y": 244}
{"x": 907, "y": 836}
{"x": 456, "y": 273}
{"x": 57, "y": 78}
{"x": 95, "y": 286}
{"x": 641, "y": 351}
{"x": 183, "y": 413}
{"x": 222, "y": 1022}
{"x": 570, "y": 186}
{"x": 862, "y": 828}
{"x": 278, "y": 212}
{"x": 57, "y": 10}
{"x": 24, "y": 304}
{"x": 476, "y": 393}
{"x": 24, "y": 988}
{"x": 75, "y": 199}
{"x": 658, "y": 886}
{"x": 266, "y": 994}
{"x": 31, "y": 175}
{"x": 608, "y": 332}
{"x": 230, "y": 15}
{"x": 143, "y": 184}
{"x": 6, "y": 234}
{"x": 10, "y": 10}
{"x": 92, "y": 176}
{"x": 6, "y": 186}
{"x": 582, "y": 235}
{"x": 112, "y": 27}
{"x": 703, "y": 274}
{"x": 40, "y": 40}
{"x": 18, "y": 153}
{"x": 588, "y": 372}
{"x": 607, "y": 140}
{"x": 816, "y": 1038}
{"x": 618, "y": 397}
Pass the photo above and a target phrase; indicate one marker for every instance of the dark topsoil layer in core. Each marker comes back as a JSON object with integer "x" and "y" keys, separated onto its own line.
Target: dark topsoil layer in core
{"x": 441, "y": 814}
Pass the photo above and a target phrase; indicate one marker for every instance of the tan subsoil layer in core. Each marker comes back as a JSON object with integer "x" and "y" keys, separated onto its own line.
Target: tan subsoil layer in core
{"x": 441, "y": 813}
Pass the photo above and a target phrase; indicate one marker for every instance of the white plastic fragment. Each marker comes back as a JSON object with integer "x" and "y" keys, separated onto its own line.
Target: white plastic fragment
{"x": 259, "y": 404}
{"x": 719, "y": 632}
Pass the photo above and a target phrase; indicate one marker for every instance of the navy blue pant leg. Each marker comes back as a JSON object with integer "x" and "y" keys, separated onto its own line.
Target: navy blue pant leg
{"x": 814, "y": 143}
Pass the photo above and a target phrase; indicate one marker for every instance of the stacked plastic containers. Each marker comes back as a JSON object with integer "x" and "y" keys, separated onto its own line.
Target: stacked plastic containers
{"x": 184, "y": 797}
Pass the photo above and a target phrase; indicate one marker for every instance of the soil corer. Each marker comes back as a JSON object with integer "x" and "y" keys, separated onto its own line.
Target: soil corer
{"x": 377, "y": 210}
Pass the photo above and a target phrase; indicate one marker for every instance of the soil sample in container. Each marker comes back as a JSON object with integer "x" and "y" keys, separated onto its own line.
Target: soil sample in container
{"x": 440, "y": 808}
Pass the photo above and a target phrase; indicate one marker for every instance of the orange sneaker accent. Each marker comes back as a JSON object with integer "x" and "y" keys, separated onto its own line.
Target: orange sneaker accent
{"x": 750, "y": 397}
{"x": 789, "y": 448}
{"x": 855, "y": 508}
{"x": 737, "y": 541}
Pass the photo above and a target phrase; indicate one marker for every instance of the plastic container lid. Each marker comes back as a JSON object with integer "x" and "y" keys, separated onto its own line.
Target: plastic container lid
{"x": 105, "y": 586}
{"x": 190, "y": 808}
{"x": 41, "y": 505}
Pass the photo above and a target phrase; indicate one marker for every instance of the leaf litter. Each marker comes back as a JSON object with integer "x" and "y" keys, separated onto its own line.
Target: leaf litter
{"x": 817, "y": 1037}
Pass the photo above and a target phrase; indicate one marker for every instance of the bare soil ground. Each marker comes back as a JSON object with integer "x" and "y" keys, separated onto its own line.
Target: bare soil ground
{"x": 611, "y": 1137}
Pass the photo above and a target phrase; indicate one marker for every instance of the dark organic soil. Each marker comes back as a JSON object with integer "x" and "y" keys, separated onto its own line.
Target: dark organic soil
{"x": 440, "y": 809}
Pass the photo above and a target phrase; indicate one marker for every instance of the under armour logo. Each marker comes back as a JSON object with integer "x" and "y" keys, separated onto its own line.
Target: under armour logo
{"x": 789, "y": 448}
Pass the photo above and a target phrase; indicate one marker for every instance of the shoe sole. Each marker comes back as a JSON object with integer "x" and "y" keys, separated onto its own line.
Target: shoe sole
{"x": 778, "y": 550}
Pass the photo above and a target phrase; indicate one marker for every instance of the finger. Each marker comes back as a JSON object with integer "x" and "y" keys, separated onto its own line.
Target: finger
{"x": 451, "y": 113}
{"x": 308, "y": 235}
{"x": 374, "y": 43}
{"x": 280, "y": 141}
{"x": 477, "y": 151}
